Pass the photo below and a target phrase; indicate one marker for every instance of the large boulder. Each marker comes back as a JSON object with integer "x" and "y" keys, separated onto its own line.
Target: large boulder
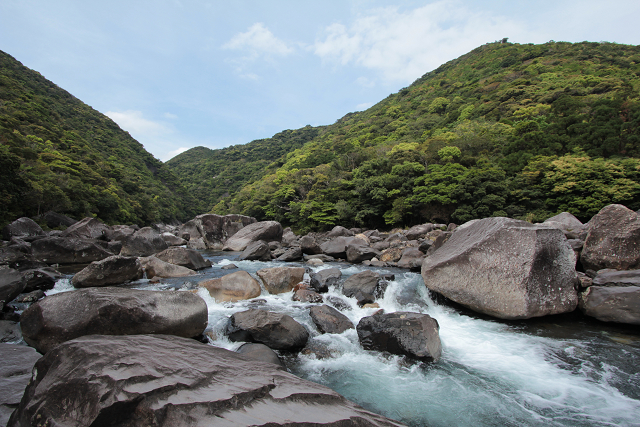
{"x": 321, "y": 280}
{"x": 22, "y": 228}
{"x": 365, "y": 287}
{"x": 278, "y": 280}
{"x": 15, "y": 373}
{"x": 215, "y": 230}
{"x": 619, "y": 304}
{"x": 337, "y": 247}
{"x": 275, "y": 330}
{"x": 55, "y": 220}
{"x": 571, "y": 226}
{"x": 328, "y": 320}
{"x": 411, "y": 258}
{"x": 143, "y": 242}
{"x": 613, "y": 240}
{"x": 41, "y": 279}
{"x": 12, "y": 257}
{"x": 172, "y": 239}
{"x": 260, "y": 353}
{"x": 12, "y": 283}
{"x": 290, "y": 255}
{"x": 114, "y": 270}
{"x": 411, "y": 334}
{"x": 120, "y": 233}
{"x": 112, "y": 311}
{"x": 154, "y": 380}
{"x": 268, "y": 231}
{"x": 309, "y": 246}
{"x": 359, "y": 251}
{"x": 256, "y": 251}
{"x": 58, "y": 250}
{"x": 87, "y": 228}
{"x": 184, "y": 257}
{"x": 232, "y": 287}
{"x": 505, "y": 268}
{"x": 338, "y": 231}
{"x": 155, "y": 267}
{"x": 418, "y": 231}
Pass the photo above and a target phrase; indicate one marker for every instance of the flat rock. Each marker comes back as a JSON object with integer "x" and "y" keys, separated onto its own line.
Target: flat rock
{"x": 184, "y": 257}
{"x": 610, "y": 277}
{"x": 147, "y": 381}
{"x": 232, "y": 287}
{"x": 114, "y": 270}
{"x": 15, "y": 373}
{"x": 112, "y": 311}
{"x": 265, "y": 230}
{"x": 620, "y": 304}
{"x": 275, "y": 330}
{"x": 278, "y": 280}
{"x": 328, "y": 320}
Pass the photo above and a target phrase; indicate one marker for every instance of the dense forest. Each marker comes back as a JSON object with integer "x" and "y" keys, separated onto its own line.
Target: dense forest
{"x": 57, "y": 153}
{"x": 524, "y": 131}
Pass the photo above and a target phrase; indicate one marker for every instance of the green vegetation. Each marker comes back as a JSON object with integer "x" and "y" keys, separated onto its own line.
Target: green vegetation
{"x": 525, "y": 131}
{"x": 57, "y": 153}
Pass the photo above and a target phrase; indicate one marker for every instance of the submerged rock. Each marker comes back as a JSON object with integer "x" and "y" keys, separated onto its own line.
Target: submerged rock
{"x": 328, "y": 320}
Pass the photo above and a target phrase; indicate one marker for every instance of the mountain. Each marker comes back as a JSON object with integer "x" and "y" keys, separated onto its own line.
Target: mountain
{"x": 57, "y": 153}
{"x": 515, "y": 130}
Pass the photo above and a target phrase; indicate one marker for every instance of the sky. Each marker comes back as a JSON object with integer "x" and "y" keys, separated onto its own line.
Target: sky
{"x": 177, "y": 74}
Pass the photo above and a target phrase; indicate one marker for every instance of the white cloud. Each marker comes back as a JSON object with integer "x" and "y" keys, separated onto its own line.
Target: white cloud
{"x": 364, "y": 106}
{"x": 405, "y": 45}
{"x": 172, "y": 154}
{"x": 258, "y": 41}
{"x": 134, "y": 123}
{"x": 170, "y": 116}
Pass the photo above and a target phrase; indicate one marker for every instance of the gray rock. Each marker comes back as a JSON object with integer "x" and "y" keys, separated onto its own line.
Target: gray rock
{"x": 12, "y": 283}
{"x": 291, "y": 255}
{"x": 58, "y": 250}
{"x": 155, "y": 267}
{"x": 10, "y": 332}
{"x": 256, "y": 251}
{"x": 275, "y": 330}
{"x": 358, "y": 251}
{"x": 505, "y": 268}
{"x": 23, "y": 228}
{"x": 321, "y": 257}
{"x": 440, "y": 240}
{"x": 120, "y": 233}
{"x": 412, "y": 259}
{"x": 147, "y": 381}
{"x": 184, "y": 257}
{"x": 112, "y": 311}
{"x": 568, "y": 224}
{"x": 55, "y": 220}
{"x": 172, "y": 239}
{"x": 266, "y": 230}
{"x": 144, "y": 242}
{"x": 306, "y": 294}
{"x": 613, "y": 240}
{"x": 288, "y": 237}
{"x": 418, "y": 231}
{"x": 215, "y": 230}
{"x": 278, "y": 280}
{"x": 260, "y": 353}
{"x": 611, "y": 277}
{"x": 87, "y": 228}
{"x": 365, "y": 287}
{"x": 15, "y": 373}
{"x": 309, "y": 246}
{"x": 324, "y": 278}
{"x": 328, "y": 320}
{"x": 411, "y": 334}
{"x": 338, "y": 231}
{"x": 337, "y": 247}
{"x": 620, "y": 304}
{"x": 114, "y": 270}
{"x": 232, "y": 287}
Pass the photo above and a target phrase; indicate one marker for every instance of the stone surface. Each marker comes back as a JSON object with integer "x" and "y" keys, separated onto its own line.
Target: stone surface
{"x": 505, "y": 268}
{"x": 358, "y": 251}
{"x": 309, "y": 246}
{"x": 23, "y": 228}
{"x": 391, "y": 254}
{"x": 278, "y": 280}
{"x": 120, "y": 233}
{"x": 259, "y": 352}
{"x": 54, "y": 220}
{"x": 155, "y": 267}
{"x": 232, "y": 287}
{"x": 41, "y": 279}
{"x": 143, "y": 242}
{"x": 87, "y": 228}
{"x": 411, "y": 258}
{"x": 338, "y": 231}
{"x": 114, "y": 270}
{"x": 256, "y": 251}
{"x": 184, "y": 257}
{"x": 15, "y": 373}
{"x": 617, "y": 278}
{"x": 411, "y": 334}
{"x": 620, "y": 304}
{"x": 172, "y": 239}
{"x": 265, "y": 230}
{"x": 418, "y": 231}
{"x": 328, "y": 320}
{"x": 12, "y": 283}
{"x": 112, "y": 311}
{"x": 291, "y": 255}
{"x": 58, "y": 250}
{"x": 275, "y": 330}
{"x": 10, "y": 332}
{"x": 306, "y": 294}
{"x": 214, "y": 230}
{"x": 568, "y": 224}
{"x": 365, "y": 287}
{"x": 337, "y": 247}
{"x": 149, "y": 381}
{"x": 323, "y": 279}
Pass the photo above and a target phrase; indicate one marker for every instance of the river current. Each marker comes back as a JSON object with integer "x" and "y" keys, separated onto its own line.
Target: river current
{"x": 554, "y": 371}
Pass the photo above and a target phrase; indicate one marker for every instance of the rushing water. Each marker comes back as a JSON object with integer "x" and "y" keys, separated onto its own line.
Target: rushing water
{"x": 556, "y": 371}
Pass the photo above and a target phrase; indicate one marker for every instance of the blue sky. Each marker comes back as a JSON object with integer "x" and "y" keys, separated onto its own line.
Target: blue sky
{"x": 177, "y": 74}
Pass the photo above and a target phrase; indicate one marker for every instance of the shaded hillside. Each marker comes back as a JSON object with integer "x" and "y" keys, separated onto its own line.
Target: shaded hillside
{"x": 211, "y": 176}
{"x": 508, "y": 130}
{"x": 57, "y": 153}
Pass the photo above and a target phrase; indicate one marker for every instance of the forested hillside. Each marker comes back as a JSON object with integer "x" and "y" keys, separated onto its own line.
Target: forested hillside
{"x": 508, "y": 130}
{"x": 57, "y": 153}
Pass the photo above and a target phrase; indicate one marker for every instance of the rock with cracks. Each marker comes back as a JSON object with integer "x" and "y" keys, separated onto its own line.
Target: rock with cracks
{"x": 275, "y": 330}
{"x": 278, "y": 280}
{"x": 269, "y": 231}
{"x": 147, "y": 381}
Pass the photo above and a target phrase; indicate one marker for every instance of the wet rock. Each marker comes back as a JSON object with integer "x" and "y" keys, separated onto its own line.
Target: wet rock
{"x": 613, "y": 240}
{"x": 505, "y": 268}
{"x": 260, "y": 353}
{"x": 411, "y": 334}
{"x": 328, "y": 320}
{"x": 278, "y": 280}
{"x": 144, "y": 242}
{"x": 267, "y": 231}
{"x": 275, "y": 330}
{"x": 411, "y": 259}
{"x": 112, "y": 311}
{"x": 365, "y": 287}
{"x": 229, "y": 267}
{"x": 155, "y": 267}
{"x": 87, "y": 228}
{"x": 291, "y": 255}
{"x": 620, "y": 304}
{"x": 338, "y": 303}
{"x": 232, "y": 287}
{"x": 10, "y": 332}
{"x": 114, "y": 270}
{"x": 359, "y": 251}
{"x": 309, "y": 246}
{"x": 184, "y": 257}
{"x": 149, "y": 381}
{"x": 321, "y": 280}
{"x": 303, "y": 293}
{"x": 15, "y": 373}
{"x": 22, "y": 228}
{"x": 418, "y": 231}
{"x": 256, "y": 251}
{"x": 319, "y": 349}
{"x": 12, "y": 283}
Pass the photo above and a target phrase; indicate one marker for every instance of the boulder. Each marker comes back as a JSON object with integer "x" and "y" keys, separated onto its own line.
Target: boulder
{"x": 156, "y": 380}
{"x": 55, "y": 220}
{"x": 197, "y": 243}
{"x": 338, "y": 231}
{"x": 611, "y": 277}
{"x": 215, "y": 230}
{"x": 143, "y": 242}
{"x": 10, "y": 332}
{"x": 58, "y": 250}
{"x": 256, "y": 251}
{"x": 114, "y": 270}
{"x": 620, "y": 304}
{"x": 568, "y": 224}
{"x": 87, "y": 228}
{"x": 505, "y": 268}
{"x": 173, "y": 240}
{"x": 418, "y": 231}
{"x": 278, "y": 280}
{"x": 112, "y": 311}
{"x": 232, "y": 287}
{"x": 303, "y": 293}
{"x": 328, "y": 320}
{"x": 155, "y": 267}
{"x": 396, "y": 238}
{"x": 15, "y": 373}
{"x": 260, "y": 353}
{"x": 439, "y": 240}
{"x": 337, "y": 247}
{"x": 391, "y": 254}
{"x": 309, "y": 246}
{"x": 365, "y": 287}
{"x": 359, "y": 251}
{"x": 291, "y": 255}
{"x": 41, "y": 279}
{"x": 315, "y": 262}
{"x": 613, "y": 240}
{"x": 266, "y": 230}
{"x": 321, "y": 280}
{"x": 23, "y": 228}
{"x": 120, "y": 233}
{"x": 411, "y": 258}
{"x": 288, "y": 237}
{"x": 12, "y": 283}
{"x": 275, "y": 330}
{"x": 338, "y": 303}
{"x": 184, "y": 257}
{"x": 321, "y": 257}
{"x": 414, "y": 335}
